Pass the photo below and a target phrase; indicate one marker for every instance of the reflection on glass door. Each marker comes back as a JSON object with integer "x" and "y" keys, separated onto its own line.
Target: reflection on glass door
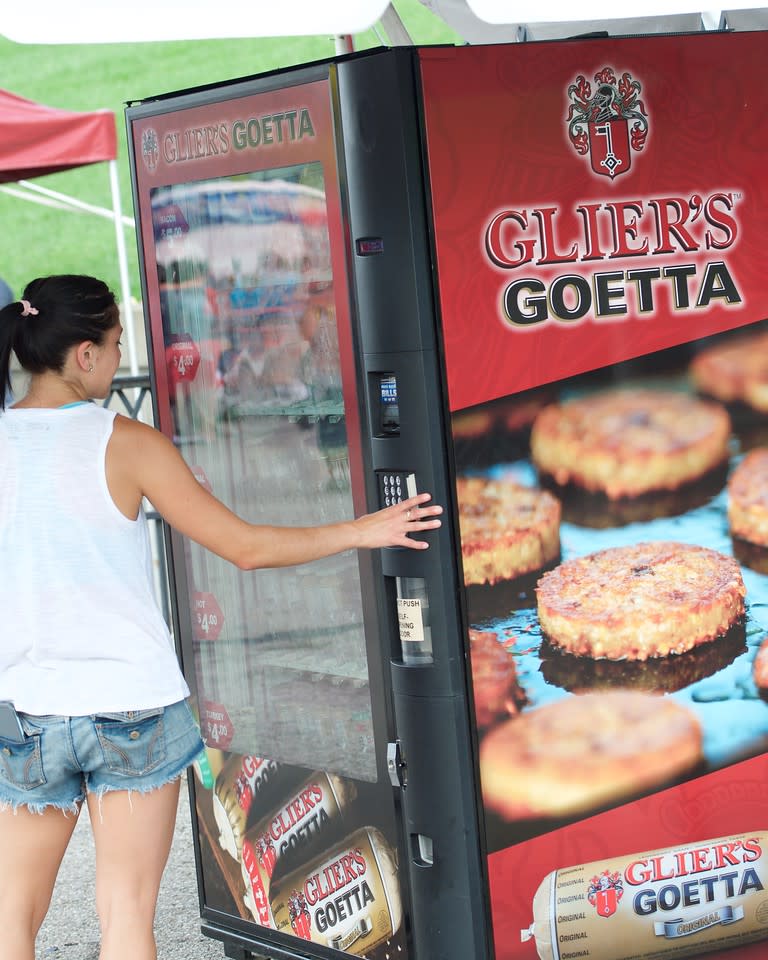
{"x": 252, "y": 352}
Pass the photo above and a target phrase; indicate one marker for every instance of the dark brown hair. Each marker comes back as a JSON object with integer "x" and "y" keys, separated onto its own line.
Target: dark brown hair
{"x": 70, "y": 309}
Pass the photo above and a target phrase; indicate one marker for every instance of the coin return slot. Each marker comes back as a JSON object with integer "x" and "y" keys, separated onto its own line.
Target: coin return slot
{"x": 421, "y": 850}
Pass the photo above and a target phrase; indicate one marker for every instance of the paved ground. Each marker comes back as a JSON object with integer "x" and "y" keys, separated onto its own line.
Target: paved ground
{"x": 71, "y": 931}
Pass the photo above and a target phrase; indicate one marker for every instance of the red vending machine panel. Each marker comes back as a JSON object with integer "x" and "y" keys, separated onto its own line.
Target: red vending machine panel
{"x": 599, "y": 230}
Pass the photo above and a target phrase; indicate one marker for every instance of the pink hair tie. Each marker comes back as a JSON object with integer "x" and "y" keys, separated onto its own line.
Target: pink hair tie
{"x": 27, "y": 309}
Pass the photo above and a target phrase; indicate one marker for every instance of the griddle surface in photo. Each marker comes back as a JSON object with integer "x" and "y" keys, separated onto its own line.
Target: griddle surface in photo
{"x": 714, "y": 680}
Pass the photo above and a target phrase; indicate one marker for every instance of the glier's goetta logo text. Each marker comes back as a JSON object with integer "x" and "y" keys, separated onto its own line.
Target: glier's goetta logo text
{"x": 609, "y": 124}
{"x": 629, "y": 255}
{"x": 219, "y": 138}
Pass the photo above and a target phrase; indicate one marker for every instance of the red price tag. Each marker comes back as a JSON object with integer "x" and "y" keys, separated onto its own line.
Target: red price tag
{"x": 207, "y": 616}
{"x": 216, "y": 726}
{"x": 182, "y": 360}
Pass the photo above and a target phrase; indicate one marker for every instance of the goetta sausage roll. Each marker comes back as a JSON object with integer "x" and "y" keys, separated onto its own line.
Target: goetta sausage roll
{"x": 679, "y": 902}
{"x": 240, "y": 780}
{"x": 347, "y": 899}
{"x": 319, "y": 802}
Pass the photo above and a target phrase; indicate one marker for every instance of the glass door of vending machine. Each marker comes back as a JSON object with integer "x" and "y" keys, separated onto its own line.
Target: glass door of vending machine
{"x": 242, "y": 245}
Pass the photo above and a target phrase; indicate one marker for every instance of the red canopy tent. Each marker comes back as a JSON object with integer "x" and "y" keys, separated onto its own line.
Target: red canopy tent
{"x": 36, "y": 140}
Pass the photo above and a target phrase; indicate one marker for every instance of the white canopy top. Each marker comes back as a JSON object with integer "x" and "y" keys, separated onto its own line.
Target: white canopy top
{"x": 548, "y": 11}
{"x": 477, "y": 21}
{"x": 113, "y": 21}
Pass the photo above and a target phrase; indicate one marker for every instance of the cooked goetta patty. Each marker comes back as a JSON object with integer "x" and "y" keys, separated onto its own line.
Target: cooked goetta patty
{"x": 507, "y": 529}
{"x": 587, "y": 750}
{"x": 646, "y": 600}
{"x": 748, "y": 498}
{"x": 760, "y": 667}
{"x": 735, "y": 371}
{"x": 497, "y": 692}
{"x": 624, "y": 443}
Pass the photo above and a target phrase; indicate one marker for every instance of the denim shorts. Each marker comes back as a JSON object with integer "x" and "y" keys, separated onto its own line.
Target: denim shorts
{"x": 63, "y": 757}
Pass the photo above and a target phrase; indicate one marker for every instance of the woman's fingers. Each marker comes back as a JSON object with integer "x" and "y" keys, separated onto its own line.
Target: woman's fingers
{"x": 391, "y": 526}
{"x": 418, "y": 516}
{"x": 415, "y": 506}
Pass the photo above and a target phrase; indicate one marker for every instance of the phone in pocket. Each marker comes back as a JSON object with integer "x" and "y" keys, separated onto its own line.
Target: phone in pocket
{"x": 10, "y": 724}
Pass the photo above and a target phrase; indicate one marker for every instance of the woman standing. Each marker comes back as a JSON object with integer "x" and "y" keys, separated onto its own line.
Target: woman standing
{"x": 93, "y": 701}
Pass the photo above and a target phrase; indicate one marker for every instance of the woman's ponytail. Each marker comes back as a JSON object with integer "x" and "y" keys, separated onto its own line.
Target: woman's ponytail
{"x": 11, "y": 315}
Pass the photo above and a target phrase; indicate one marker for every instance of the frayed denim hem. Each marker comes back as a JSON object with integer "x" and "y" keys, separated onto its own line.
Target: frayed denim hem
{"x": 75, "y": 806}
{"x": 41, "y": 808}
{"x": 104, "y": 789}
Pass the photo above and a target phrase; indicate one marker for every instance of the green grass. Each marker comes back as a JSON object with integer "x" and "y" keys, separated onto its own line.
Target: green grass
{"x": 38, "y": 240}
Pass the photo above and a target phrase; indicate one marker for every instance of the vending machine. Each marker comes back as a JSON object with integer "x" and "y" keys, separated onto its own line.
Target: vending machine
{"x": 528, "y": 279}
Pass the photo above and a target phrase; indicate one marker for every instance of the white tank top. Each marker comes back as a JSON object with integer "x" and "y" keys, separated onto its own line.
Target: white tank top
{"x": 80, "y": 629}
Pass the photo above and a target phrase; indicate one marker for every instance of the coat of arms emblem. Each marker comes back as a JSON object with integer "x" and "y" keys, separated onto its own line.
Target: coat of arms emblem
{"x": 608, "y": 124}
{"x": 605, "y": 891}
{"x": 150, "y": 149}
{"x": 298, "y": 912}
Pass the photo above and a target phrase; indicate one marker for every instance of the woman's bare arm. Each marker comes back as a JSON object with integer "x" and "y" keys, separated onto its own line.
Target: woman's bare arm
{"x": 141, "y": 461}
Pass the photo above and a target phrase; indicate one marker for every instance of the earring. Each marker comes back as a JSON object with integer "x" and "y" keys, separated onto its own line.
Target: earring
{"x": 90, "y": 369}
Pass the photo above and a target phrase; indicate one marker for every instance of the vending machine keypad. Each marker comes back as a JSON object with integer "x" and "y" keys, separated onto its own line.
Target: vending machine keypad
{"x": 395, "y": 486}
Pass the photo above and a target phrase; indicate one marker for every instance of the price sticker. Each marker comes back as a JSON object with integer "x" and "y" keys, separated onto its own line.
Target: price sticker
{"x": 207, "y": 616}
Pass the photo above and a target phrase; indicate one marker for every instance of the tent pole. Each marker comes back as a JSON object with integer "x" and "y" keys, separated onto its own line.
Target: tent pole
{"x": 122, "y": 257}
{"x": 62, "y": 200}
{"x": 343, "y": 43}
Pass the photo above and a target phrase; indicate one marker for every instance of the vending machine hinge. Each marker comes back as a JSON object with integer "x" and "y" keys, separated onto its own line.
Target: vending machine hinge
{"x": 396, "y": 766}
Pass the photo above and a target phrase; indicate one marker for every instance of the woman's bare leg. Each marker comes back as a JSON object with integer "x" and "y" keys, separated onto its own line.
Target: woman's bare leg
{"x": 32, "y": 847}
{"x": 133, "y": 834}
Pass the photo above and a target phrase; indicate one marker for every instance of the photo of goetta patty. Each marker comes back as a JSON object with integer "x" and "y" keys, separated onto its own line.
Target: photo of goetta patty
{"x": 735, "y": 371}
{"x": 498, "y": 430}
{"x": 630, "y": 442}
{"x": 760, "y": 668}
{"x": 507, "y": 529}
{"x": 582, "y": 752}
{"x": 748, "y": 498}
{"x": 497, "y": 692}
{"x": 640, "y": 601}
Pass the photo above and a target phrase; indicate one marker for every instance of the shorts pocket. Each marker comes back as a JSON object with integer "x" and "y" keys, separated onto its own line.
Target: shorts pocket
{"x": 132, "y": 742}
{"x": 21, "y": 764}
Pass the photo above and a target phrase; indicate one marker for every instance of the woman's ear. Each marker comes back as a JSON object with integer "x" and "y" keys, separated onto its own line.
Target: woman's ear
{"x": 84, "y": 355}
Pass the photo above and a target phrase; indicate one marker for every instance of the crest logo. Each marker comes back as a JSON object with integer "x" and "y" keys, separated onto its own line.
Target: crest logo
{"x": 243, "y": 792}
{"x": 298, "y": 913}
{"x": 266, "y": 853}
{"x": 605, "y": 891}
{"x": 609, "y": 124}
{"x": 150, "y": 149}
